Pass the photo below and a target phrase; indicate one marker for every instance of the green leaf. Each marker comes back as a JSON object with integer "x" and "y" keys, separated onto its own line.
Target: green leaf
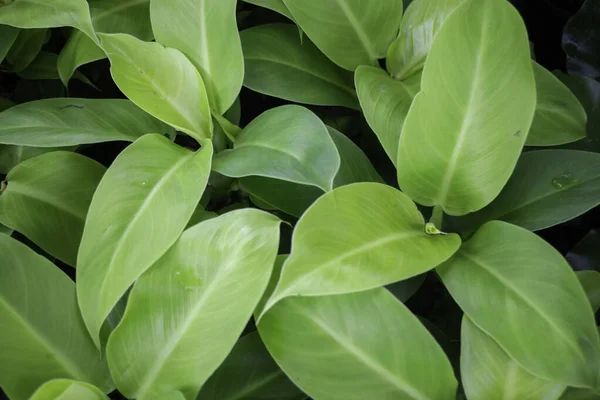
{"x": 66, "y": 389}
{"x": 26, "y": 48}
{"x": 8, "y": 35}
{"x": 11, "y": 156}
{"x": 359, "y": 237}
{"x": 407, "y": 288}
{"x": 47, "y": 198}
{"x": 132, "y": 221}
{"x": 328, "y": 346}
{"x": 197, "y": 299}
{"x": 274, "y": 5}
{"x": 590, "y": 280}
{"x": 420, "y": 25}
{"x": 559, "y": 117}
{"x": 43, "y": 336}
{"x": 519, "y": 290}
{"x": 71, "y": 121}
{"x": 108, "y": 16}
{"x": 489, "y": 373}
{"x": 547, "y": 188}
{"x": 161, "y": 81}
{"x": 349, "y": 32}
{"x": 280, "y": 64}
{"x": 45, "y": 67}
{"x": 467, "y": 126}
{"x": 385, "y": 103}
{"x": 288, "y": 143}
{"x": 580, "y": 394}
{"x": 206, "y": 32}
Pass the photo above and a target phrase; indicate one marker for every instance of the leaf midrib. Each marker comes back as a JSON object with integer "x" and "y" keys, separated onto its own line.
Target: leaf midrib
{"x": 254, "y": 386}
{"x": 360, "y": 32}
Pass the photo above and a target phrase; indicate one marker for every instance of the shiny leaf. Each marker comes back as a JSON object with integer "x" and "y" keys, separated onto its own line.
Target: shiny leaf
{"x": 66, "y": 389}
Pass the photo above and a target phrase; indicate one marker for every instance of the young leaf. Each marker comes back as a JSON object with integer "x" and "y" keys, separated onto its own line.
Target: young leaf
{"x": 559, "y": 117}
{"x": 420, "y": 25}
{"x": 274, "y": 5}
{"x": 548, "y": 187}
{"x": 328, "y": 346}
{"x": 8, "y": 35}
{"x": 488, "y": 373}
{"x": 359, "y": 237}
{"x": 467, "y": 126}
{"x": 141, "y": 206}
{"x": 46, "y": 198}
{"x": 385, "y": 103}
{"x": 26, "y": 48}
{"x": 279, "y": 64}
{"x": 67, "y": 389}
{"x": 161, "y": 81}
{"x": 202, "y": 293}
{"x": 519, "y": 290}
{"x": 590, "y": 280}
{"x": 349, "y": 32}
{"x": 43, "y": 336}
{"x": 71, "y": 121}
{"x": 206, "y": 32}
{"x": 288, "y": 143}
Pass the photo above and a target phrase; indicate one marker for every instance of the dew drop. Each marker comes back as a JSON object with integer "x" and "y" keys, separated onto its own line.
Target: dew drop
{"x": 564, "y": 181}
{"x": 144, "y": 183}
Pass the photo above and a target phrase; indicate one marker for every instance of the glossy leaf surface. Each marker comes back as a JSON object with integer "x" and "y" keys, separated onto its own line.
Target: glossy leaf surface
{"x": 518, "y": 289}
{"x": 461, "y": 159}
{"x": 141, "y": 206}
{"x": 66, "y": 389}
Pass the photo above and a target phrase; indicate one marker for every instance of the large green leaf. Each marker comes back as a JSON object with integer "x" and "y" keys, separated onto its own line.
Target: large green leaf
{"x": 46, "y": 198}
{"x": 559, "y": 117}
{"x": 385, "y": 103}
{"x": 43, "y": 335}
{"x": 350, "y": 32}
{"x": 363, "y": 345}
{"x": 8, "y": 35}
{"x": 420, "y": 25}
{"x": 141, "y": 206}
{"x": 26, "y": 48}
{"x": 70, "y": 121}
{"x": 206, "y": 32}
{"x": 488, "y": 373}
{"x": 161, "y": 81}
{"x": 108, "y": 16}
{"x": 11, "y": 156}
{"x": 359, "y": 237}
{"x": 590, "y": 280}
{"x": 280, "y": 64}
{"x": 274, "y": 5}
{"x": 467, "y": 126}
{"x": 202, "y": 292}
{"x": 66, "y": 389}
{"x": 288, "y": 143}
{"x": 548, "y": 187}
{"x": 519, "y": 290}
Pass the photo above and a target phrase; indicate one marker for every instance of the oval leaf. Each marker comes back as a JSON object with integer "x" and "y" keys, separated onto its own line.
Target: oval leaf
{"x": 280, "y": 64}
{"x": 202, "y": 292}
{"x": 132, "y": 220}
{"x": 46, "y": 198}
{"x": 161, "y": 81}
{"x": 358, "y": 237}
{"x": 349, "y": 32}
{"x": 288, "y": 143}
{"x": 66, "y": 389}
{"x": 466, "y": 128}
{"x": 43, "y": 335}
{"x": 309, "y": 335}
{"x": 521, "y": 292}
{"x": 70, "y": 121}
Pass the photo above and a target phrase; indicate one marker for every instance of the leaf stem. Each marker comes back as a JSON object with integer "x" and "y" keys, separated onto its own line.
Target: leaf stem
{"x": 437, "y": 217}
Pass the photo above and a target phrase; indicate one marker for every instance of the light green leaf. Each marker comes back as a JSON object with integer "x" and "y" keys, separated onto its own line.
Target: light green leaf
{"x": 161, "y": 81}
{"x": 206, "y": 32}
{"x": 45, "y": 67}
{"x": 519, "y": 290}
{"x": 488, "y": 373}
{"x": 66, "y": 389}
{"x": 548, "y": 187}
{"x": 349, "y": 32}
{"x": 288, "y": 143}
{"x": 590, "y": 280}
{"x": 467, "y": 126}
{"x": 26, "y": 48}
{"x": 46, "y": 198}
{"x": 385, "y": 103}
{"x": 559, "y": 117}
{"x": 43, "y": 336}
{"x": 420, "y": 25}
{"x": 274, "y": 5}
{"x": 185, "y": 314}
{"x": 8, "y": 35}
{"x": 108, "y": 16}
{"x": 358, "y": 237}
{"x": 132, "y": 221}
{"x": 328, "y": 346}
{"x": 71, "y": 121}
{"x": 279, "y": 64}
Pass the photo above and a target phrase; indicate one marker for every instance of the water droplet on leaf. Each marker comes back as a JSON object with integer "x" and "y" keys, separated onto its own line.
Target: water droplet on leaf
{"x": 564, "y": 181}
